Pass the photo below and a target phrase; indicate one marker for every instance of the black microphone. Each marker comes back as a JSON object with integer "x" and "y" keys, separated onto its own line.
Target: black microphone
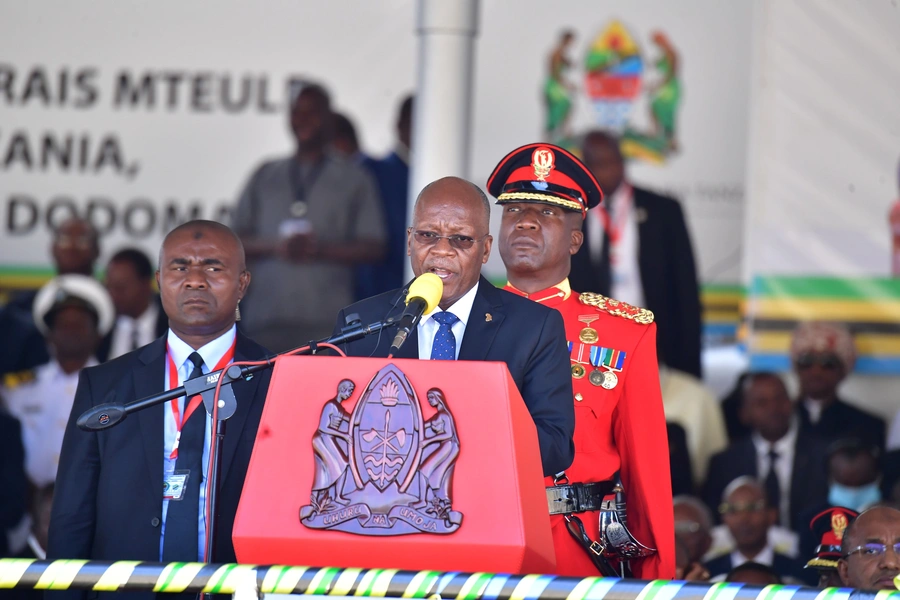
{"x": 101, "y": 417}
{"x": 423, "y": 297}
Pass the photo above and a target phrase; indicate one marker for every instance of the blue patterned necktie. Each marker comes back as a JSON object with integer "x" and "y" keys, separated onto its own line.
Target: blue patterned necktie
{"x": 444, "y": 347}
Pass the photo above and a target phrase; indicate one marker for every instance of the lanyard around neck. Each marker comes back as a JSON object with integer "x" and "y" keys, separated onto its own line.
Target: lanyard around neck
{"x": 195, "y": 401}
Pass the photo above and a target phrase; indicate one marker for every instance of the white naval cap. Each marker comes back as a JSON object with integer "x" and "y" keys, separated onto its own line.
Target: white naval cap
{"x": 74, "y": 290}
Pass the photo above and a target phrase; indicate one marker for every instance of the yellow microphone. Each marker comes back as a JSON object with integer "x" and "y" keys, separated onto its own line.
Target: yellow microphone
{"x": 423, "y": 297}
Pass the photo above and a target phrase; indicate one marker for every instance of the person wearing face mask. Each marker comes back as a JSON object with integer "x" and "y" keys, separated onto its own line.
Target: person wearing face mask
{"x": 823, "y": 355}
{"x": 854, "y": 482}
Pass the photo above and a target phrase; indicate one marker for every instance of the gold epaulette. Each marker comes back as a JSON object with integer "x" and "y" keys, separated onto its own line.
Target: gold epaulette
{"x": 822, "y": 563}
{"x": 616, "y": 308}
{"x": 14, "y": 380}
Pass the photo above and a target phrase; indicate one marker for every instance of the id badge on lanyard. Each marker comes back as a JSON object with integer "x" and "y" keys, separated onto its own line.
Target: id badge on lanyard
{"x": 175, "y": 481}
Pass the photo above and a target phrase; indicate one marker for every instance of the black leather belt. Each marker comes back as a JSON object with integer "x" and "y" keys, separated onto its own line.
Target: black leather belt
{"x": 577, "y": 497}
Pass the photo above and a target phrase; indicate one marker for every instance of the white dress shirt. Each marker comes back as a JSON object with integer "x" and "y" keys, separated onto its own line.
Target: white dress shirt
{"x": 128, "y": 330}
{"x": 211, "y": 353}
{"x": 428, "y": 327}
{"x": 625, "y": 269}
{"x": 784, "y": 466}
{"x": 814, "y": 408}
{"x": 43, "y": 406}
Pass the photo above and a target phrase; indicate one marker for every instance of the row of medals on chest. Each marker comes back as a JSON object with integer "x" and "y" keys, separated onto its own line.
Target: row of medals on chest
{"x": 606, "y": 379}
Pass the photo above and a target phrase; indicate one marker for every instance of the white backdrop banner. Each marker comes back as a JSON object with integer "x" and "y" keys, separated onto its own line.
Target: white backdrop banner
{"x": 823, "y": 223}
{"x": 141, "y": 116}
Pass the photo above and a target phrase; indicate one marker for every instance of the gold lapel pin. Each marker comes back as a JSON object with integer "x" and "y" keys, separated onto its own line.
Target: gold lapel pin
{"x": 488, "y": 318}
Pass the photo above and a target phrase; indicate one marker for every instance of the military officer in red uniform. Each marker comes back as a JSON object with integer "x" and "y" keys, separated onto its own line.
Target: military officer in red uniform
{"x": 621, "y": 448}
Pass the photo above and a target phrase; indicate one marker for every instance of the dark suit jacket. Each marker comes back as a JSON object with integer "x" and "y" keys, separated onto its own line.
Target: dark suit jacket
{"x": 14, "y": 488}
{"x": 528, "y": 337}
{"x": 679, "y": 460}
{"x": 785, "y": 566}
{"x": 668, "y": 276}
{"x": 108, "y": 498}
{"x": 843, "y": 420}
{"x": 809, "y": 477}
{"x": 162, "y": 325}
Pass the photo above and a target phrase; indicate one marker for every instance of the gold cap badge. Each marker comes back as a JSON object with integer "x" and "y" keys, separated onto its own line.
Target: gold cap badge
{"x": 542, "y": 160}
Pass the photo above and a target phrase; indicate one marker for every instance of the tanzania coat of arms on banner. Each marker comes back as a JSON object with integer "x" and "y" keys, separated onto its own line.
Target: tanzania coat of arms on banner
{"x": 615, "y": 78}
{"x": 382, "y": 470}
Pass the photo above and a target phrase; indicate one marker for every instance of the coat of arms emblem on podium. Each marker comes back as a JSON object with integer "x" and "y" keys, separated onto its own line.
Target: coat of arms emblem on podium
{"x": 382, "y": 470}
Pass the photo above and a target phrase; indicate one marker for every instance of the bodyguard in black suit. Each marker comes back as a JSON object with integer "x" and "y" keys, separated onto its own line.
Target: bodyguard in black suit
{"x": 449, "y": 238}
{"x": 767, "y": 409}
{"x": 668, "y": 274}
{"x": 109, "y": 491}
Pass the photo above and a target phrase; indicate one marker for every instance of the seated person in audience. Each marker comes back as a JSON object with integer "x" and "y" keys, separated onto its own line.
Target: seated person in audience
{"x": 73, "y": 312}
{"x": 753, "y": 573}
{"x": 690, "y": 404}
{"x": 787, "y": 460}
{"x": 693, "y": 523}
{"x": 686, "y": 570}
{"x": 679, "y": 460}
{"x": 823, "y": 354}
{"x": 854, "y": 477}
{"x": 13, "y": 482}
{"x": 871, "y": 550}
{"x": 829, "y": 527}
{"x": 748, "y": 517}
{"x": 731, "y": 409}
{"x": 140, "y": 318}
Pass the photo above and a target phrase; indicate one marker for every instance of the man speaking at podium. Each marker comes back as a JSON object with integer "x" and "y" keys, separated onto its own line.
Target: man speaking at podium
{"x": 620, "y": 426}
{"x": 110, "y": 502}
{"x": 475, "y": 320}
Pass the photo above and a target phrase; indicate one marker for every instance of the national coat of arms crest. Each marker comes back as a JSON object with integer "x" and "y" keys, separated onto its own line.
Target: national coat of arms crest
{"x": 382, "y": 470}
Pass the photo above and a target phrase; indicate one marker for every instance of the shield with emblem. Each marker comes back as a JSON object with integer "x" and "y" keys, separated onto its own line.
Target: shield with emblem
{"x": 386, "y": 432}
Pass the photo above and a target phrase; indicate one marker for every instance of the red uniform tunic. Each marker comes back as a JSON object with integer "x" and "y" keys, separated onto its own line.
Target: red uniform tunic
{"x": 620, "y": 429}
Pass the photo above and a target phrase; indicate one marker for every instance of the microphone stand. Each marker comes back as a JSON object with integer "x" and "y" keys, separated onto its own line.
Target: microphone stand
{"x": 104, "y": 416}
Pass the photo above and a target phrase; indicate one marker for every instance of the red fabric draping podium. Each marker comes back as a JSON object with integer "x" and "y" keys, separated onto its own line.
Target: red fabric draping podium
{"x": 416, "y": 465}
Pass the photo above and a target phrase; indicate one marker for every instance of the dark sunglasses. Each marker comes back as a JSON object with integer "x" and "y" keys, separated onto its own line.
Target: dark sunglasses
{"x": 430, "y": 238}
{"x": 829, "y": 362}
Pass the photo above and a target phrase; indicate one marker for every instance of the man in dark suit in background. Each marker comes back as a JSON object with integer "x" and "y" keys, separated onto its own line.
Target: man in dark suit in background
{"x": 140, "y": 318}
{"x": 789, "y": 462}
{"x": 823, "y": 354}
{"x": 637, "y": 249}
{"x": 109, "y": 502}
{"x": 474, "y": 320}
{"x": 748, "y": 516}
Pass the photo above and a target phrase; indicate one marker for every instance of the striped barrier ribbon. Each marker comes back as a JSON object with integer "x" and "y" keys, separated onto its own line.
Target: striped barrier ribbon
{"x": 435, "y": 585}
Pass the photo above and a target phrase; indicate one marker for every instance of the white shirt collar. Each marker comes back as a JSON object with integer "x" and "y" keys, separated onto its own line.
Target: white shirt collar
{"x": 146, "y": 320}
{"x": 765, "y": 557}
{"x": 462, "y": 308}
{"x": 784, "y": 446}
{"x": 211, "y": 352}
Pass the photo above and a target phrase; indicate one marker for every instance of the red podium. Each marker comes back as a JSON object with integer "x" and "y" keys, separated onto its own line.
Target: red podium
{"x": 404, "y": 464}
